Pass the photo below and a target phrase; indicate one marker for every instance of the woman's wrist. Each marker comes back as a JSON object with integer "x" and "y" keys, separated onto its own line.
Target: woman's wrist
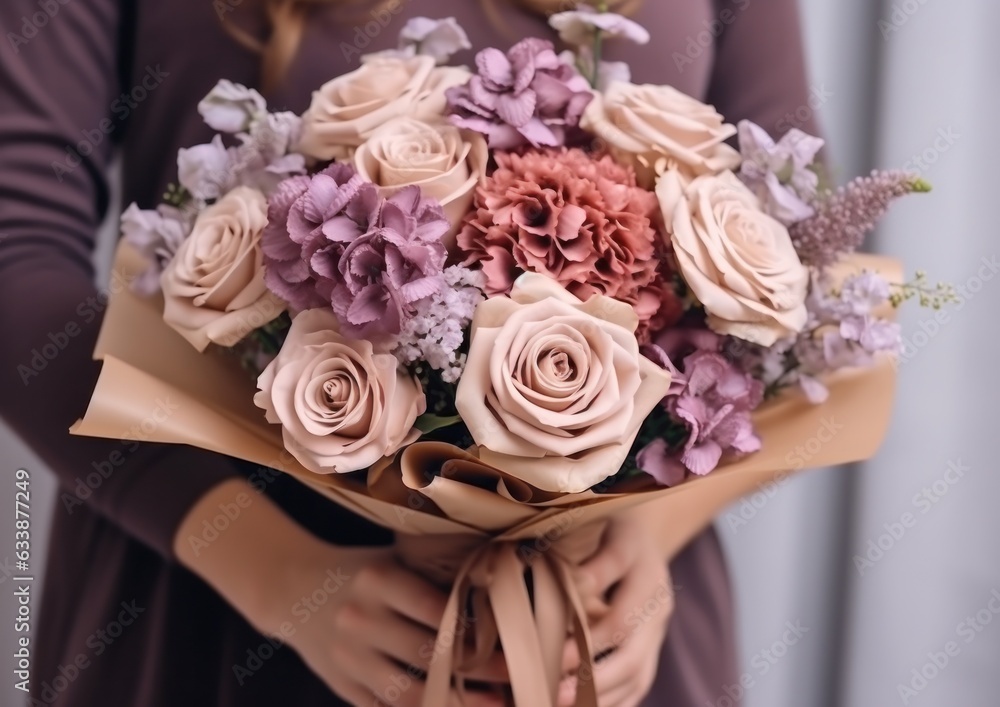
{"x": 249, "y": 550}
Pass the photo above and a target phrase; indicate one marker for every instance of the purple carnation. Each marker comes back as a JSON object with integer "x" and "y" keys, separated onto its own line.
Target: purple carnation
{"x": 382, "y": 257}
{"x": 527, "y": 96}
{"x": 333, "y": 241}
{"x": 300, "y": 213}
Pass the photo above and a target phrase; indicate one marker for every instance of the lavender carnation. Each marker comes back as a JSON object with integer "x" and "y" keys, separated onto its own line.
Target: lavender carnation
{"x": 299, "y": 213}
{"x": 843, "y": 219}
{"x": 526, "y": 96}
{"x": 332, "y": 241}
{"x": 393, "y": 258}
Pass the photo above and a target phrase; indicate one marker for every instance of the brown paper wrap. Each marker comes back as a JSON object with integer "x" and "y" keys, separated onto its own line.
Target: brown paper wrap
{"x": 459, "y": 521}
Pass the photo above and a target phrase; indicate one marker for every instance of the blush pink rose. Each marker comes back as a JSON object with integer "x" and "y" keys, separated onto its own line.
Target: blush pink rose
{"x": 555, "y": 389}
{"x": 341, "y": 405}
{"x": 445, "y": 162}
{"x": 658, "y": 127}
{"x": 213, "y": 287}
{"x": 346, "y": 110}
{"x": 739, "y": 262}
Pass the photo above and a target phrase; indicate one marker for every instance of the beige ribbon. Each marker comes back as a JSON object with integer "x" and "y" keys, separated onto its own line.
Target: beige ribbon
{"x": 490, "y": 593}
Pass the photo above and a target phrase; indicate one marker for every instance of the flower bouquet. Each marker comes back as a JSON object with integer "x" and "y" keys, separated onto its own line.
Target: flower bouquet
{"x": 488, "y": 308}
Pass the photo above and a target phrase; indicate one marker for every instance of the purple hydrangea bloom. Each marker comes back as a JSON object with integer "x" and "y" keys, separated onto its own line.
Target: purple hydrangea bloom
{"x": 779, "y": 172}
{"x": 526, "y": 96}
{"x": 714, "y": 403}
{"x": 843, "y": 331}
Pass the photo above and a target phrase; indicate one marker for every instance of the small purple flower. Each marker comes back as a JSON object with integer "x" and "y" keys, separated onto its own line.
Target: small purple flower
{"x": 526, "y": 96}
{"x": 844, "y": 218}
{"x": 715, "y": 405}
{"x": 156, "y": 234}
{"x": 779, "y": 172}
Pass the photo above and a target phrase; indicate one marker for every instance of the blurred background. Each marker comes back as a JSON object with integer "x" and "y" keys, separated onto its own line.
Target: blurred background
{"x": 877, "y": 584}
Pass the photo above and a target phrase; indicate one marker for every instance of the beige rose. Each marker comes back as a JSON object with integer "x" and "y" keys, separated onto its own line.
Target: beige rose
{"x": 738, "y": 261}
{"x": 213, "y": 288}
{"x": 341, "y": 405}
{"x": 347, "y": 109}
{"x": 555, "y": 389}
{"x": 445, "y": 162}
{"x": 658, "y": 127}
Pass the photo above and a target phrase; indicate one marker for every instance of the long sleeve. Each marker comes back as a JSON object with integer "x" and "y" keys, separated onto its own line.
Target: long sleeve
{"x": 759, "y": 72}
{"x": 61, "y": 111}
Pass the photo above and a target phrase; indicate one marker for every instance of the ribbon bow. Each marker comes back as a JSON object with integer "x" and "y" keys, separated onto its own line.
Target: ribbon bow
{"x": 491, "y": 584}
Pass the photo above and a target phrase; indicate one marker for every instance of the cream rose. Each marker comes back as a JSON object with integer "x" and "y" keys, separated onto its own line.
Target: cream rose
{"x": 445, "y": 162}
{"x": 738, "y": 261}
{"x": 347, "y": 109}
{"x": 341, "y": 405}
{"x": 555, "y": 389}
{"x": 213, "y": 288}
{"x": 658, "y": 127}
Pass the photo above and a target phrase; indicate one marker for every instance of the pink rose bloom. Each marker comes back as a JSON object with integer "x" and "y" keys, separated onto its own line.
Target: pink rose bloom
{"x": 341, "y": 405}
{"x": 555, "y": 389}
{"x": 580, "y": 220}
{"x": 213, "y": 287}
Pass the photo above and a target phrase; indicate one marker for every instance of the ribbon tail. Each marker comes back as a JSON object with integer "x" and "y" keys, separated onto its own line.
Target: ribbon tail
{"x": 448, "y": 641}
{"x": 586, "y": 689}
{"x": 518, "y": 632}
{"x": 551, "y": 609}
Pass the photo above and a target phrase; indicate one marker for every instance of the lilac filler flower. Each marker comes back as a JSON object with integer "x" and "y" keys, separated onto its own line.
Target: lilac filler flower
{"x": 779, "y": 172}
{"x": 526, "y": 96}
{"x": 231, "y": 107}
{"x": 437, "y": 330}
{"x": 843, "y": 219}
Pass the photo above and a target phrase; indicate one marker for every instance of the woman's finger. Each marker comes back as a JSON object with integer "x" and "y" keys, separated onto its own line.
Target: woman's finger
{"x": 617, "y": 555}
{"x": 404, "y": 592}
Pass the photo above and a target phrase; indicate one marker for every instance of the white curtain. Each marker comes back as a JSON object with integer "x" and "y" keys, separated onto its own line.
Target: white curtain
{"x": 893, "y": 566}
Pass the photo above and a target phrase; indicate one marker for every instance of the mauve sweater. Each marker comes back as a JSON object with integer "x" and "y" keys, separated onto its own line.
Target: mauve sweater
{"x": 121, "y": 623}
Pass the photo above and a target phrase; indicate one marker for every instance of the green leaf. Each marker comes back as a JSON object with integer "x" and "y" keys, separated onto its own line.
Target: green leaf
{"x": 429, "y": 423}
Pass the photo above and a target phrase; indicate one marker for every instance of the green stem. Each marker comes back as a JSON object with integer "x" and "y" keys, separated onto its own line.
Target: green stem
{"x": 598, "y": 50}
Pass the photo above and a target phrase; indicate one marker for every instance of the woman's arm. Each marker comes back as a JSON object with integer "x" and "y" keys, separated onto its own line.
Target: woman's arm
{"x": 58, "y": 87}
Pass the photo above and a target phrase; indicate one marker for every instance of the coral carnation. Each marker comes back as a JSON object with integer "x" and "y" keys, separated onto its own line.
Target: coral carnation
{"x": 578, "y": 219}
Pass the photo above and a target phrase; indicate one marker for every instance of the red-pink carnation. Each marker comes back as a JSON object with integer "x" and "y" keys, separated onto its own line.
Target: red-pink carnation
{"x": 578, "y": 219}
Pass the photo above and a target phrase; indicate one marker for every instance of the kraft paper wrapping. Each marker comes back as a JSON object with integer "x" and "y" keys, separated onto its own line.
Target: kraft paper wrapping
{"x": 467, "y": 523}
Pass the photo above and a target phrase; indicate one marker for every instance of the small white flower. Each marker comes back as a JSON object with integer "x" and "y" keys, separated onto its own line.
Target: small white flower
{"x": 231, "y": 107}
{"x": 578, "y": 27}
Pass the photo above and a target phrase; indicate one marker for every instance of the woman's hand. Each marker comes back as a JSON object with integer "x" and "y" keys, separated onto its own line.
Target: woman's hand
{"x": 380, "y": 619}
{"x": 354, "y": 615}
{"x": 629, "y": 573}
